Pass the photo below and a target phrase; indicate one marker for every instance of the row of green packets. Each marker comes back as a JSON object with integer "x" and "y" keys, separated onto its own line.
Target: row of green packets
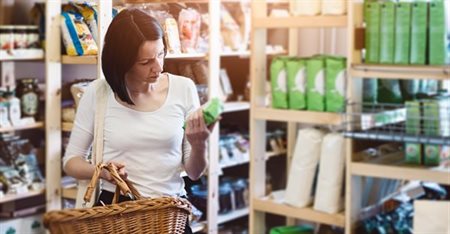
{"x": 315, "y": 84}
{"x": 397, "y": 33}
{"x": 430, "y": 117}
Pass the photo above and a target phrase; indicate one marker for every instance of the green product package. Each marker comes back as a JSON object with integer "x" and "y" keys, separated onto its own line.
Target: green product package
{"x": 432, "y": 155}
{"x": 212, "y": 110}
{"x": 387, "y": 26}
{"x": 315, "y": 82}
{"x": 419, "y": 32}
{"x": 413, "y": 117}
{"x": 402, "y": 32}
{"x": 335, "y": 78}
{"x": 292, "y": 230}
{"x": 296, "y": 82}
{"x": 413, "y": 153}
{"x": 278, "y": 81}
{"x": 437, "y": 34}
{"x": 436, "y": 116}
{"x": 372, "y": 33}
{"x": 389, "y": 91}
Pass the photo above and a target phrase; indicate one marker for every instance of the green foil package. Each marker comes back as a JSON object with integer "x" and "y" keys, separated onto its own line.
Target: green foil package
{"x": 419, "y": 32}
{"x": 372, "y": 33}
{"x": 335, "y": 79}
{"x": 315, "y": 83}
{"x": 278, "y": 81}
{"x": 296, "y": 81}
{"x": 402, "y": 33}
{"x": 212, "y": 110}
{"x": 387, "y": 28}
{"x": 437, "y": 34}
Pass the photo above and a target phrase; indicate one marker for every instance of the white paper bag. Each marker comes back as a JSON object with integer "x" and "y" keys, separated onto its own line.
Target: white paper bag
{"x": 334, "y": 7}
{"x": 303, "y": 167}
{"x": 331, "y": 175}
{"x": 305, "y": 7}
{"x": 431, "y": 217}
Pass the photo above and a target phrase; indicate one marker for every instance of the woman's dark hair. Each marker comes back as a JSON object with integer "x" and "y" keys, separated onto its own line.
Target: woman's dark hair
{"x": 126, "y": 33}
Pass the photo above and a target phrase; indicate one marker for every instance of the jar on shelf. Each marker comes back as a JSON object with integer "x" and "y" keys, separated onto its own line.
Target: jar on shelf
{"x": 20, "y": 37}
{"x": 27, "y": 92}
{"x": 6, "y": 37}
{"x": 32, "y": 32}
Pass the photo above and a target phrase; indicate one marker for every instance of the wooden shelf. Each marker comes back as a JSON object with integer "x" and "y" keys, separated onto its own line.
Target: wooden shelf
{"x": 235, "y": 214}
{"x": 22, "y": 54}
{"x": 307, "y": 213}
{"x": 301, "y": 22}
{"x": 400, "y": 71}
{"x": 401, "y": 172}
{"x": 236, "y": 106}
{"x": 91, "y": 59}
{"x": 69, "y": 193}
{"x": 36, "y": 125}
{"x": 14, "y": 197}
{"x": 297, "y": 116}
{"x": 66, "y": 126}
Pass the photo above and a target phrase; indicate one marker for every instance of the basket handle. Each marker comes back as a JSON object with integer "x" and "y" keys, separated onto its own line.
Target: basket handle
{"x": 122, "y": 185}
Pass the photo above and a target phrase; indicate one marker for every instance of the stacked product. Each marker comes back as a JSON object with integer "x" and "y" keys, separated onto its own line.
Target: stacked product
{"x": 315, "y": 84}
{"x": 317, "y": 7}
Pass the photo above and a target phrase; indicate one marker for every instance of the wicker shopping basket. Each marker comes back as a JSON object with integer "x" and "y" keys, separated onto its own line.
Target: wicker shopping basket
{"x": 143, "y": 215}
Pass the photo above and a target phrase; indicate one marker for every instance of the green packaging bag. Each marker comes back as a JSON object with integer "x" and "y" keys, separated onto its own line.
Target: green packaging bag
{"x": 413, "y": 153}
{"x": 432, "y": 155}
{"x": 402, "y": 32}
{"x": 437, "y": 34}
{"x": 335, "y": 77}
{"x": 436, "y": 116}
{"x": 419, "y": 32}
{"x": 212, "y": 110}
{"x": 413, "y": 117}
{"x": 372, "y": 33}
{"x": 387, "y": 26}
{"x": 315, "y": 84}
{"x": 296, "y": 81}
{"x": 292, "y": 230}
{"x": 278, "y": 81}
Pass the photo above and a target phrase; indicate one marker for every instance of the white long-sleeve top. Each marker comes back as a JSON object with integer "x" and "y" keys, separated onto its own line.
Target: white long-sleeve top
{"x": 149, "y": 143}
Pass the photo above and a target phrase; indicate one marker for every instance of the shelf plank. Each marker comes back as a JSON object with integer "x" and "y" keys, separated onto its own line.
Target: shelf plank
{"x": 22, "y": 54}
{"x": 297, "y": 116}
{"x": 91, "y": 59}
{"x": 36, "y": 125}
{"x": 14, "y": 197}
{"x": 400, "y": 71}
{"x": 401, "y": 172}
{"x": 66, "y": 126}
{"x": 322, "y": 21}
{"x": 237, "y": 163}
{"x": 235, "y": 214}
{"x": 186, "y": 56}
{"x": 307, "y": 213}
{"x": 236, "y": 106}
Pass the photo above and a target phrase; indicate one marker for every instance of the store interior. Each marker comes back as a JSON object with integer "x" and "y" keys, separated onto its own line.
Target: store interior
{"x": 335, "y": 114}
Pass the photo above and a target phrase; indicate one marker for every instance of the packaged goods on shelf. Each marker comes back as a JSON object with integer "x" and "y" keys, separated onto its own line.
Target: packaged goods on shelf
{"x": 304, "y": 164}
{"x": 230, "y": 31}
{"x": 241, "y": 13}
{"x": 387, "y": 28}
{"x": 76, "y": 35}
{"x": 278, "y": 83}
{"x": 189, "y": 21}
{"x": 389, "y": 91}
{"x": 328, "y": 196}
{"x": 296, "y": 82}
{"x": 402, "y": 32}
{"x": 438, "y": 34}
{"x": 413, "y": 153}
{"x": 89, "y": 13}
{"x": 419, "y": 33}
{"x": 372, "y": 37}
{"x": 315, "y": 83}
{"x": 310, "y": 7}
{"x": 335, "y": 79}
{"x": 334, "y": 7}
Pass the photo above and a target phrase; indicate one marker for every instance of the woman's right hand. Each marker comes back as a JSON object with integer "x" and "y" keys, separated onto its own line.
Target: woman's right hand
{"x": 120, "y": 169}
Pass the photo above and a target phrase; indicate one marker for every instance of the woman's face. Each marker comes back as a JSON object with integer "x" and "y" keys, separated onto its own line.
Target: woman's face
{"x": 149, "y": 62}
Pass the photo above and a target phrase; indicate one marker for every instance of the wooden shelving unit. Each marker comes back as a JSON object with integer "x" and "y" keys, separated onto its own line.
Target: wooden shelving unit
{"x": 22, "y": 55}
{"x": 36, "y": 125}
{"x": 260, "y": 114}
{"x": 307, "y": 214}
{"x": 236, "y": 106}
{"x": 269, "y": 114}
{"x": 66, "y": 126}
{"x": 235, "y": 214}
{"x": 91, "y": 59}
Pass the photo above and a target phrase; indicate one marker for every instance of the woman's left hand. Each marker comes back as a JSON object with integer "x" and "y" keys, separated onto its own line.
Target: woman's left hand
{"x": 196, "y": 130}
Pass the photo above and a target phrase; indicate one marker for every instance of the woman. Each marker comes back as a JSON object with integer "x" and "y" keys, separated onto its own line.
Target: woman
{"x": 145, "y": 114}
